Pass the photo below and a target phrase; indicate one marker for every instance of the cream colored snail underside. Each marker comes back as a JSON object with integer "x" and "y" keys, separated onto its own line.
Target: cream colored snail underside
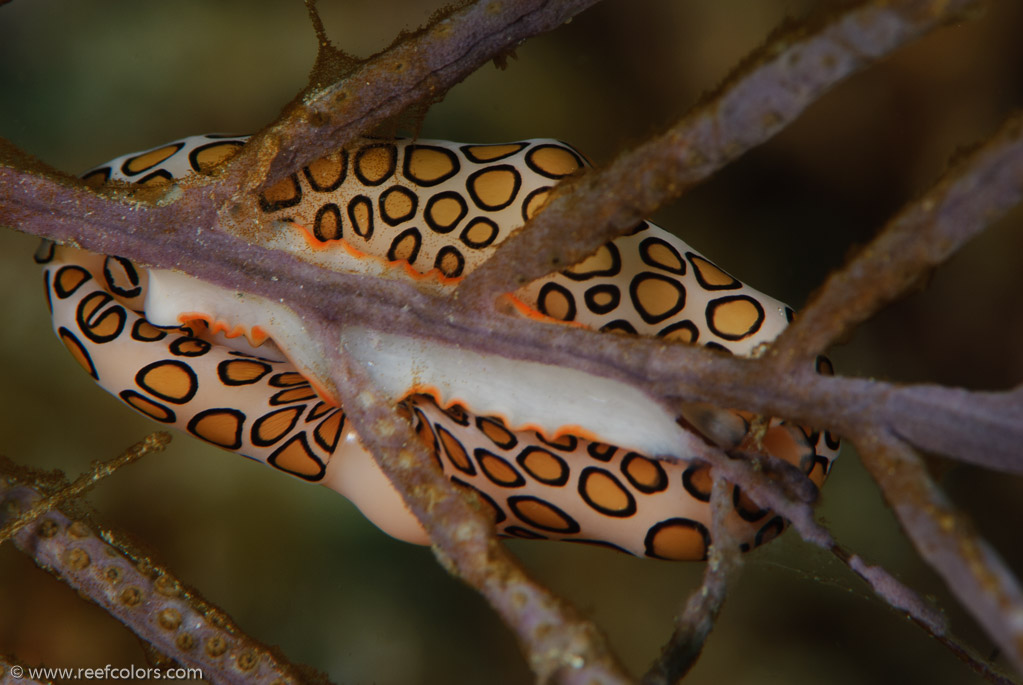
{"x": 558, "y": 453}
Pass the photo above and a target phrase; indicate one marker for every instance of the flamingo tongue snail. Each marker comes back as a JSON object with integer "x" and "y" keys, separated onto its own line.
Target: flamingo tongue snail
{"x": 558, "y": 453}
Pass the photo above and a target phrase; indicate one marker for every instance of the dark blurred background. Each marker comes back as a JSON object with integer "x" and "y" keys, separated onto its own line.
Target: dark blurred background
{"x": 296, "y": 565}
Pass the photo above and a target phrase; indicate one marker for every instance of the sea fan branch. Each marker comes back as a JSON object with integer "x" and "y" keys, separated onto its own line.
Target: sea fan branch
{"x": 192, "y": 227}
{"x": 761, "y": 98}
{"x": 142, "y": 595}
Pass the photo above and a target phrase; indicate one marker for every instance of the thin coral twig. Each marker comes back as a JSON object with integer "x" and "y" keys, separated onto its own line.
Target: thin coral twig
{"x": 153, "y": 443}
{"x": 787, "y": 498}
{"x": 419, "y": 68}
{"x": 693, "y": 625}
{"x": 944, "y": 538}
{"x": 145, "y": 597}
{"x": 900, "y": 598}
{"x": 766, "y": 94}
{"x": 979, "y": 189}
{"x": 897, "y": 595}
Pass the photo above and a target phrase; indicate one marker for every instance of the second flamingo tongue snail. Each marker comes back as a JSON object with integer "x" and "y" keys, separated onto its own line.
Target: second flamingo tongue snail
{"x": 558, "y": 453}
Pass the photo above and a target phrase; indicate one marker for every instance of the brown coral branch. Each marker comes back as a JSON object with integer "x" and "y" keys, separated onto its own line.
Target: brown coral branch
{"x": 792, "y": 496}
{"x": 972, "y": 570}
{"x": 900, "y": 598}
{"x": 850, "y": 405}
{"x": 164, "y": 237}
{"x": 153, "y": 443}
{"x": 989, "y": 430}
{"x": 761, "y": 98}
{"x": 770, "y": 494}
{"x": 983, "y": 428}
{"x": 978, "y": 190}
{"x": 897, "y": 595}
{"x": 157, "y": 234}
{"x": 143, "y": 596}
{"x": 557, "y": 641}
{"x": 44, "y": 205}
{"x": 694, "y": 623}
{"x": 420, "y": 68}
{"x": 793, "y": 505}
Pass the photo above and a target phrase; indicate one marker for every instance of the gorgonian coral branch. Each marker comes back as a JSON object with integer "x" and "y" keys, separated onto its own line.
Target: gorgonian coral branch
{"x": 972, "y": 570}
{"x": 143, "y": 596}
{"x": 559, "y": 643}
{"x": 419, "y": 68}
{"x": 978, "y": 190}
{"x": 180, "y": 231}
{"x": 99, "y": 471}
{"x": 694, "y": 623}
{"x": 984, "y": 428}
{"x": 901, "y": 598}
{"x": 761, "y": 98}
{"x": 774, "y": 489}
{"x": 670, "y": 370}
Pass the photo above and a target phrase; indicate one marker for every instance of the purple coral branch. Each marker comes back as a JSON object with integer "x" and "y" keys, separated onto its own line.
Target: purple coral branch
{"x": 901, "y": 598}
{"x": 777, "y": 84}
{"x": 924, "y": 234}
{"x": 559, "y": 642}
{"x": 982, "y": 428}
{"x": 985, "y": 428}
{"x": 100, "y": 470}
{"x": 420, "y": 68}
{"x": 694, "y": 623}
{"x": 142, "y": 595}
{"x": 972, "y": 570}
